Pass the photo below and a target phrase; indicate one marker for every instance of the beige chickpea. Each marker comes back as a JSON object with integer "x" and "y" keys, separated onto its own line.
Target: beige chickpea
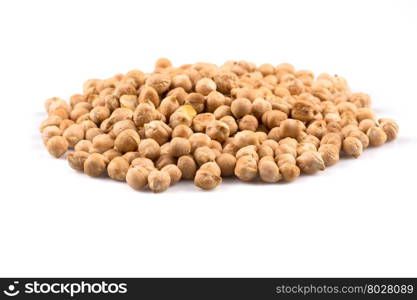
{"x": 289, "y": 172}
{"x": 57, "y": 146}
{"x": 275, "y": 134}
{"x": 180, "y": 118}
{"x": 76, "y": 160}
{"x": 84, "y": 145}
{"x": 158, "y": 181}
{"x": 270, "y": 143}
{"x": 92, "y": 133}
{"x": 168, "y": 106}
{"x": 225, "y": 81}
{"x": 199, "y": 140}
{"x": 143, "y": 162}
{"x": 291, "y": 128}
{"x": 196, "y": 100}
{"x": 179, "y": 147}
{"x": 241, "y": 107}
{"x": 128, "y": 140}
{"x": 365, "y": 113}
{"x": 303, "y": 110}
{"x": 304, "y": 147}
{"x": 286, "y": 148}
{"x": 159, "y": 131}
{"x": 95, "y": 165}
{"x": 144, "y": 113}
{"x": 160, "y": 82}
{"x": 250, "y": 150}
{"x": 218, "y": 130}
{"x": 329, "y": 153}
{"x": 149, "y": 148}
{"x": 231, "y": 124}
{"x": 174, "y": 173}
{"x": 137, "y": 177}
{"x": 65, "y": 124}
{"x": 248, "y": 122}
{"x": 365, "y": 124}
{"x": 268, "y": 170}
{"x": 182, "y": 131}
{"x": 73, "y": 135}
{"x": 117, "y": 168}
{"x": 102, "y": 143}
{"x": 120, "y": 126}
{"x": 188, "y": 166}
{"x": 360, "y": 136}
{"x": 265, "y": 150}
{"x": 332, "y": 138}
{"x": 246, "y": 168}
{"x": 49, "y": 132}
{"x": 162, "y": 63}
{"x": 377, "y": 136}
{"x": 310, "y": 162}
{"x": 88, "y": 124}
{"x": 227, "y": 163}
{"x": 285, "y": 158}
{"x": 183, "y": 81}
{"x": 164, "y": 160}
{"x": 99, "y": 114}
{"x": 260, "y": 106}
{"x": 222, "y": 111}
{"x": 203, "y": 155}
{"x": 201, "y": 121}
{"x": 206, "y": 179}
{"x": 352, "y": 146}
{"x": 111, "y": 153}
{"x": 149, "y": 94}
{"x": 245, "y": 138}
{"x": 317, "y": 128}
{"x": 205, "y": 86}
{"x": 129, "y": 156}
{"x": 390, "y": 128}
{"x": 214, "y": 100}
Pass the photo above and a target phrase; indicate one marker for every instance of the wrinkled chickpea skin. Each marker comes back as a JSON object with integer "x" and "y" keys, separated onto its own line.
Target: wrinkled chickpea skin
{"x": 202, "y": 122}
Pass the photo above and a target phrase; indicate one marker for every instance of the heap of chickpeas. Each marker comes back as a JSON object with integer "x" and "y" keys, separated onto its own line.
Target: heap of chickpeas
{"x": 202, "y": 122}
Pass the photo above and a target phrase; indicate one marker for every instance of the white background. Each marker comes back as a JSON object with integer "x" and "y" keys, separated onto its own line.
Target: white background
{"x": 358, "y": 218}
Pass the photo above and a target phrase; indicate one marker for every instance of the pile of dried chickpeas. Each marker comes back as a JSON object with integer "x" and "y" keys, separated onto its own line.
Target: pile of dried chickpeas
{"x": 202, "y": 122}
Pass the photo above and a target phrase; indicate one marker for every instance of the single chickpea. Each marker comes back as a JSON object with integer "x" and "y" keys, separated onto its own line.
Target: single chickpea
{"x": 206, "y": 178}
{"x": 49, "y": 132}
{"x": 144, "y": 113}
{"x": 111, "y": 153}
{"x": 143, "y": 162}
{"x": 365, "y": 124}
{"x": 377, "y": 136}
{"x": 246, "y": 168}
{"x": 285, "y": 158}
{"x": 231, "y": 124}
{"x": 289, "y": 172}
{"x": 260, "y": 106}
{"x": 304, "y": 147}
{"x": 291, "y": 128}
{"x": 352, "y": 146}
{"x": 241, "y": 107}
{"x": 227, "y": 163}
{"x": 248, "y": 122}
{"x": 57, "y": 146}
{"x": 201, "y": 121}
{"x": 95, "y": 165}
{"x": 317, "y": 128}
{"x": 65, "y": 124}
{"x": 196, "y": 100}
{"x": 117, "y": 168}
{"x": 214, "y": 101}
{"x": 245, "y": 138}
{"x": 128, "y": 140}
{"x": 286, "y": 148}
{"x": 250, "y": 150}
{"x": 159, "y": 131}
{"x": 303, "y": 110}
{"x": 390, "y": 128}
{"x": 99, "y": 114}
{"x": 225, "y": 81}
{"x": 92, "y": 133}
{"x": 149, "y": 148}
{"x": 180, "y": 118}
{"x": 329, "y": 153}
{"x": 271, "y": 143}
{"x": 182, "y": 131}
{"x": 76, "y": 159}
{"x": 160, "y": 82}
{"x": 120, "y": 126}
{"x": 102, "y": 143}
{"x": 84, "y": 145}
{"x": 222, "y": 111}
{"x": 203, "y": 155}
{"x": 218, "y": 130}
{"x": 137, "y": 177}
{"x": 199, "y": 140}
{"x": 179, "y": 147}
{"x": 364, "y": 113}
{"x": 187, "y": 166}
{"x": 174, "y": 173}
{"x": 158, "y": 181}
{"x": 73, "y": 135}
{"x": 205, "y": 86}
{"x": 265, "y": 150}
{"x": 261, "y": 135}
{"x": 165, "y": 159}
{"x": 130, "y": 156}
{"x": 149, "y": 94}
{"x": 360, "y": 136}
{"x": 310, "y": 162}
{"x": 183, "y": 81}
{"x": 268, "y": 170}
{"x": 332, "y": 138}
{"x": 162, "y": 63}
{"x": 168, "y": 106}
